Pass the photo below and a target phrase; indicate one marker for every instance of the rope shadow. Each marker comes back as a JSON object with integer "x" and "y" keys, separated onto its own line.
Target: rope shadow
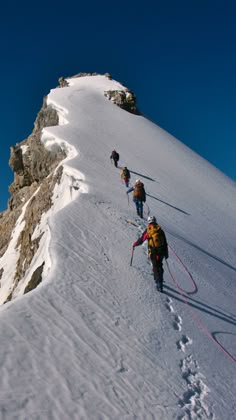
{"x": 215, "y": 333}
{"x": 143, "y": 176}
{"x": 168, "y": 204}
{"x": 201, "y": 249}
{"x": 199, "y": 306}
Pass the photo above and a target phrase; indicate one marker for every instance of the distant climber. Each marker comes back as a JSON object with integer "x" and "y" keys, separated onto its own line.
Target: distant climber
{"x": 115, "y": 157}
{"x": 157, "y": 248}
{"x": 139, "y": 196}
{"x": 125, "y": 175}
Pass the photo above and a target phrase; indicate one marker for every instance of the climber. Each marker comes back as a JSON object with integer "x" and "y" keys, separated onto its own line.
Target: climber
{"x": 139, "y": 196}
{"x": 157, "y": 248}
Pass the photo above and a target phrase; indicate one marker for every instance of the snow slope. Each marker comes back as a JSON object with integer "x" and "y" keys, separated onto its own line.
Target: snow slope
{"x": 96, "y": 340}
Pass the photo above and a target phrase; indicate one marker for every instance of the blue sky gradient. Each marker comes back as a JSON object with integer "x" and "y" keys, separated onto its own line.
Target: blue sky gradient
{"x": 177, "y": 56}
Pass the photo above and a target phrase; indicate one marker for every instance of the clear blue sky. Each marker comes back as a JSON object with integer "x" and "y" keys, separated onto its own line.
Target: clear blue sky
{"x": 179, "y": 58}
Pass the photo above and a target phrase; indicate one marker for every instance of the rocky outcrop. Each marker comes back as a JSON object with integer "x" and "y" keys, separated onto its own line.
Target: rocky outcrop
{"x": 47, "y": 117}
{"x": 35, "y": 279}
{"x": 30, "y": 161}
{"x": 39, "y": 204}
{"x": 8, "y": 220}
{"x": 34, "y": 181}
{"x": 63, "y": 82}
{"x": 125, "y": 99}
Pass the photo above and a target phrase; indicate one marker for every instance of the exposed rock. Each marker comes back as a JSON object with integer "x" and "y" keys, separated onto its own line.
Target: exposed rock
{"x": 125, "y": 99}
{"x": 34, "y": 180}
{"x": 7, "y": 223}
{"x": 1, "y": 273}
{"x": 81, "y": 74}
{"x": 39, "y": 204}
{"x": 108, "y": 76}
{"x": 47, "y": 117}
{"x": 62, "y": 82}
{"x": 35, "y": 279}
{"x": 30, "y": 161}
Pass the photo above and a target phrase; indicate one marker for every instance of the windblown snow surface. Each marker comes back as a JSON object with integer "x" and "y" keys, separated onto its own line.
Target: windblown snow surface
{"x": 96, "y": 340}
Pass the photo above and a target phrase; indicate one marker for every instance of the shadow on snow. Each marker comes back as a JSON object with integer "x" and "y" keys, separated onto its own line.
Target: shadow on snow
{"x": 203, "y": 307}
{"x": 170, "y": 205}
{"x": 202, "y": 250}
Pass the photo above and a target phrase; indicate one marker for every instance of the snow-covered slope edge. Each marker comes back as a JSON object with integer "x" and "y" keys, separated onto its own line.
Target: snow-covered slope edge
{"x": 97, "y": 341}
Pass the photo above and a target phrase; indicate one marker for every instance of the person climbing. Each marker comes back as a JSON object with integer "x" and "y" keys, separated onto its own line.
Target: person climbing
{"x": 115, "y": 157}
{"x": 125, "y": 175}
{"x": 157, "y": 248}
{"x": 139, "y": 196}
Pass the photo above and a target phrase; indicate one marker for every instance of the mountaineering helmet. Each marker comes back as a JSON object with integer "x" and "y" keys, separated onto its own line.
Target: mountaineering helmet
{"x": 152, "y": 219}
{"x": 137, "y": 181}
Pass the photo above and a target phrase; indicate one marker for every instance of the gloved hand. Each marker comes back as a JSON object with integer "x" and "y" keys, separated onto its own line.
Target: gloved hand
{"x": 134, "y": 244}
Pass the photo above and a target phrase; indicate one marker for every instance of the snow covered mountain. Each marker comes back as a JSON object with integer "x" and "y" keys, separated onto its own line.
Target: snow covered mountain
{"x": 95, "y": 340}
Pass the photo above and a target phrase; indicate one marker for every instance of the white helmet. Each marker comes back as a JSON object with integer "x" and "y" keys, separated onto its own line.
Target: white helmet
{"x": 137, "y": 181}
{"x": 152, "y": 219}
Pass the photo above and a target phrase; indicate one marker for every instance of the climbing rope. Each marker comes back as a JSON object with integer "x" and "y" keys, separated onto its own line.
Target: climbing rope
{"x": 197, "y": 319}
{"x": 188, "y": 273}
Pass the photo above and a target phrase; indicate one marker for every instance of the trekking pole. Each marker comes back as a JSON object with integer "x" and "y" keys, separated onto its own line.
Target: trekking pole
{"x": 131, "y": 259}
{"x": 128, "y": 198}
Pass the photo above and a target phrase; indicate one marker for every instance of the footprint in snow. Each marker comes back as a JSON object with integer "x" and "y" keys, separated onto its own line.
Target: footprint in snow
{"x": 168, "y": 305}
{"x": 177, "y": 323}
{"x": 183, "y": 342}
{"x": 192, "y": 401}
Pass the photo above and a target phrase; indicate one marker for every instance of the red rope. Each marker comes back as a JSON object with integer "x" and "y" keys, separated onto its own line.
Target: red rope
{"x": 188, "y": 273}
{"x": 197, "y": 319}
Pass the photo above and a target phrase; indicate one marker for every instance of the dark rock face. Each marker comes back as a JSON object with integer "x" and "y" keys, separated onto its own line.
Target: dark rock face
{"x": 35, "y": 280}
{"x": 125, "y": 99}
{"x": 30, "y": 161}
{"x": 47, "y": 117}
{"x": 62, "y": 82}
{"x": 34, "y": 181}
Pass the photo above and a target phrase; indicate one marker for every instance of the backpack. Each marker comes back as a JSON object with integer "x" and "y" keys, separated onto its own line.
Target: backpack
{"x": 156, "y": 236}
{"x": 126, "y": 173}
{"x": 139, "y": 191}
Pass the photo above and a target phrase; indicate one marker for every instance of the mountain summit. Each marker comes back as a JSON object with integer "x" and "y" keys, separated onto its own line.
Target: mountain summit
{"x": 94, "y": 339}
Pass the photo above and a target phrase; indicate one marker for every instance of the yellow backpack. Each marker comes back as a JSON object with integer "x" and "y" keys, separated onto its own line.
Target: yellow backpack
{"x": 156, "y": 238}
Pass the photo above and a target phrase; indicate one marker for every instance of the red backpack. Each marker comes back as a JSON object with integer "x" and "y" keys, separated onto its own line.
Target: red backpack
{"x": 139, "y": 191}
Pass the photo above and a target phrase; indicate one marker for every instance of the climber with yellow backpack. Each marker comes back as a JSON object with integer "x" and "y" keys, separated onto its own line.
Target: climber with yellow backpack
{"x": 157, "y": 248}
{"x": 139, "y": 196}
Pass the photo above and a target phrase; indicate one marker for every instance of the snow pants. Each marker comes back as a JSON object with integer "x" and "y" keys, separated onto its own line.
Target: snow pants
{"x": 139, "y": 207}
{"x": 157, "y": 266}
{"x": 126, "y": 181}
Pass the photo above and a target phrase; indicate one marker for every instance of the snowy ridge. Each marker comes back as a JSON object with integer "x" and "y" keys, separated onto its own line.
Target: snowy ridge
{"x": 96, "y": 340}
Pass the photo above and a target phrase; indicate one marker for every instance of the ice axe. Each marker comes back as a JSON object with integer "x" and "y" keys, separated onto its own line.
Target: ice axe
{"x": 131, "y": 259}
